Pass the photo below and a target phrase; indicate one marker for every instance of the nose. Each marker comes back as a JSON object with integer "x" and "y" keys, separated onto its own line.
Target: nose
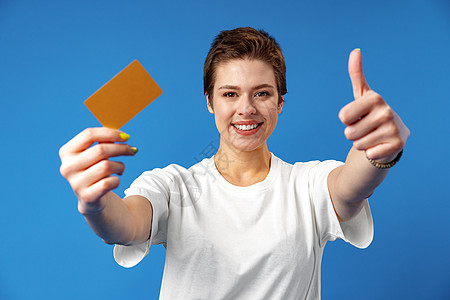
{"x": 246, "y": 106}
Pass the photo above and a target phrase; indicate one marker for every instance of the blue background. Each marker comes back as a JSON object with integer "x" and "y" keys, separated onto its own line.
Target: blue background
{"x": 55, "y": 54}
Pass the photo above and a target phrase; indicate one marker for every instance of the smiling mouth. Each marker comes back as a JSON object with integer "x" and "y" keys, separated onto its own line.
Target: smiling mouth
{"x": 247, "y": 127}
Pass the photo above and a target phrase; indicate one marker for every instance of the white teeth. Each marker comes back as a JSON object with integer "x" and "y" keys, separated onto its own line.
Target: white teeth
{"x": 246, "y": 127}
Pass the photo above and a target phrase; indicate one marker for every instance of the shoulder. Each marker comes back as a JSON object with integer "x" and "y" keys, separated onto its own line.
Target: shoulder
{"x": 176, "y": 172}
{"x": 165, "y": 181}
{"x": 306, "y": 168}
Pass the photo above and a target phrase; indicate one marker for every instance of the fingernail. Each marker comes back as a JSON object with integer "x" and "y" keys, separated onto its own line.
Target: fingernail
{"x": 357, "y": 49}
{"x": 134, "y": 150}
{"x": 124, "y": 136}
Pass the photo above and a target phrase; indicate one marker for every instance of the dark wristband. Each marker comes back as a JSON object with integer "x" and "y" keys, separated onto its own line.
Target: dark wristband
{"x": 387, "y": 165}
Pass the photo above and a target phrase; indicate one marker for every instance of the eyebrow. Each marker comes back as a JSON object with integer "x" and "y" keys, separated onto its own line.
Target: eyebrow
{"x": 235, "y": 87}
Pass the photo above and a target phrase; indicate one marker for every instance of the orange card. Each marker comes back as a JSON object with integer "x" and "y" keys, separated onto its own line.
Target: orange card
{"x": 124, "y": 96}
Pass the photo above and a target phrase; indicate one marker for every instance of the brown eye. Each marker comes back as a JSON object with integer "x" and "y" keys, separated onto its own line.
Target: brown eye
{"x": 262, "y": 94}
{"x": 229, "y": 94}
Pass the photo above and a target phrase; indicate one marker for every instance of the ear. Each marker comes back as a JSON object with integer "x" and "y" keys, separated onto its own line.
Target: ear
{"x": 208, "y": 103}
{"x": 280, "y": 105}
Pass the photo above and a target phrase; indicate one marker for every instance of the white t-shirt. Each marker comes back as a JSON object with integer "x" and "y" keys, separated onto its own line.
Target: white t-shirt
{"x": 222, "y": 241}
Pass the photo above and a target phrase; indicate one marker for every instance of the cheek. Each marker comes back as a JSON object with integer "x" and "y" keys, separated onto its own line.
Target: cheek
{"x": 222, "y": 119}
{"x": 269, "y": 111}
{"x": 223, "y": 113}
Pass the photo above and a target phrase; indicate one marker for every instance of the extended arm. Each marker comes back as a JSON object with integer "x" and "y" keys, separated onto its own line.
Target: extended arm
{"x": 123, "y": 222}
{"x": 377, "y": 132}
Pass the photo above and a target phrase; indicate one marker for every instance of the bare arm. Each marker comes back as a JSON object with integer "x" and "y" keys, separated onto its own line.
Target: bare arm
{"x": 90, "y": 174}
{"x": 377, "y": 132}
{"x": 124, "y": 222}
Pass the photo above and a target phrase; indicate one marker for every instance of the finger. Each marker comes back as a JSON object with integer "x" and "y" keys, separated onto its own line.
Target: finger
{"x": 103, "y": 169}
{"x": 81, "y": 181}
{"x": 72, "y": 165}
{"x": 371, "y": 139}
{"x": 381, "y": 151}
{"x": 103, "y": 186}
{"x": 89, "y": 136}
{"x": 384, "y": 134}
{"x": 360, "y": 128}
{"x": 355, "y": 70}
{"x": 92, "y": 195}
{"x": 366, "y": 124}
{"x": 101, "y": 152}
{"x": 355, "y": 110}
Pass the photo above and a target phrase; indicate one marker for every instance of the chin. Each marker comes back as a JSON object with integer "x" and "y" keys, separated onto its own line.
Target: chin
{"x": 247, "y": 147}
{"x": 244, "y": 144}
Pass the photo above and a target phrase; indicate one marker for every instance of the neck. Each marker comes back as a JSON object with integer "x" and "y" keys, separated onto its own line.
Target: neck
{"x": 243, "y": 168}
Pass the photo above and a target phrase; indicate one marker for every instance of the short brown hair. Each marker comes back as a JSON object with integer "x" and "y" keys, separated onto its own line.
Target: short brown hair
{"x": 241, "y": 43}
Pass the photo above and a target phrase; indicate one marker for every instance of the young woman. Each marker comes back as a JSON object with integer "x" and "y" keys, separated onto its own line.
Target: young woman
{"x": 242, "y": 224}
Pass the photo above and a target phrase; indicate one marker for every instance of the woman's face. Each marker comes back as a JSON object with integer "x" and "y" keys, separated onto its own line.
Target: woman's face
{"x": 245, "y": 103}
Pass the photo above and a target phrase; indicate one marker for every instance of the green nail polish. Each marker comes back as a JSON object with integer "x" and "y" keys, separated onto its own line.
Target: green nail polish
{"x": 134, "y": 149}
{"x": 124, "y": 136}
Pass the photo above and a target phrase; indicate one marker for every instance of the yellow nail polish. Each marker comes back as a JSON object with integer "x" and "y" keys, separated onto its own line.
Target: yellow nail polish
{"x": 134, "y": 149}
{"x": 357, "y": 49}
{"x": 124, "y": 136}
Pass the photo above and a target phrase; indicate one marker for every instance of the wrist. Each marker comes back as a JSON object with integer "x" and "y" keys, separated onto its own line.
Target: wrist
{"x": 89, "y": 209}
{"x": 386, "y": 162}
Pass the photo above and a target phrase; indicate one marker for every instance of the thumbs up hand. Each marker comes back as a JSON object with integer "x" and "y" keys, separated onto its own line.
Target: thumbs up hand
{"x": 371, "y": 123}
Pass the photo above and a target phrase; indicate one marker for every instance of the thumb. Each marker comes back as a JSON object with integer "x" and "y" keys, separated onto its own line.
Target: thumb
{"x": 355, "y": 70}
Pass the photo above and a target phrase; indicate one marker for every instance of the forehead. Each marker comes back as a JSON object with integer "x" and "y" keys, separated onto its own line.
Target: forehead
{"x": 243, "y": 73}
